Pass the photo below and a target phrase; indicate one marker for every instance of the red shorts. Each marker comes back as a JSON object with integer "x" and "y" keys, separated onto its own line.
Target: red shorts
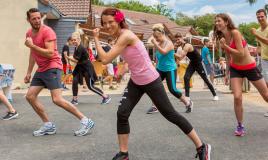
{"x": 67, "y": 69}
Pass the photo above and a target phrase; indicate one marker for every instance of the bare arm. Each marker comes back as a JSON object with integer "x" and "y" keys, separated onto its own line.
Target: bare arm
{"x": 209, "y": 59}
{"x": 47, "y": 52}
{"x": 163, "y": 50}
{"x": 30, "y": 65}
{"x": 237, "y": 37}
{"x": 123, "y": 41}
{"x": 66, "y": 57}
{"x": 182, "y": 53}
{"x": 259, "y": 37}
{"x": 72, "y": 59}
{"x": 27, "y": 78}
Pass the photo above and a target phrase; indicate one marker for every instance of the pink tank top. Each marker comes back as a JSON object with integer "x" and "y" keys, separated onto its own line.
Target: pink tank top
{"x": 142, "y": 71}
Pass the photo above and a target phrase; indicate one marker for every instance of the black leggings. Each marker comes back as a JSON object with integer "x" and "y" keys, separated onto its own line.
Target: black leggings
{"x": 90, "y": 85}
{"x": 192, "y": 67}
{"x": 171, "y": 78}
{"x": 155, "y": 90}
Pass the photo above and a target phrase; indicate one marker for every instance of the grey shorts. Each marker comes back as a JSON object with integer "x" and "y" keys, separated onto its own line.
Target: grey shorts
{"x": 264, "y": 66}
{"x": 208, "y": 68}
{"x": 50, "y": 79}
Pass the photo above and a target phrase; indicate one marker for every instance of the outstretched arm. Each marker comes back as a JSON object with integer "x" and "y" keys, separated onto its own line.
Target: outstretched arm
{"x": 123, "y": 41}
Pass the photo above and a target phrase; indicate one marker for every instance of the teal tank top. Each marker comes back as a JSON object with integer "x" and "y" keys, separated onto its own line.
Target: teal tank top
{"x": 166, "y": 62}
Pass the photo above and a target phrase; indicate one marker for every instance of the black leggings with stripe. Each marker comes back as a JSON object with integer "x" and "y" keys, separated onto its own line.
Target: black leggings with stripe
{"x": 155, "y": 90}
{"x": 198, "y": 67}
{"x": 171, "y": 78}
{"x": 90, "y": 85}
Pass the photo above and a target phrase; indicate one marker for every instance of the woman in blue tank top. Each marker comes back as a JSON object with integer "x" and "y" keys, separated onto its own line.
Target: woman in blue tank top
{"x": 166, "y": 65}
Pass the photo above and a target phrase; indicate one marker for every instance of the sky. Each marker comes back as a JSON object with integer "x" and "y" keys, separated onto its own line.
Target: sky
{"x": 239, "y": 10}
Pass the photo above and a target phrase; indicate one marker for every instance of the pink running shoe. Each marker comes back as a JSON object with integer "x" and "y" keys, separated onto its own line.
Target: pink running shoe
{"x": 240, "y": 131}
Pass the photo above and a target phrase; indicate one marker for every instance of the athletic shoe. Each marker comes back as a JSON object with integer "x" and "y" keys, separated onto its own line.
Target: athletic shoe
{"x": 112, "y": 88}
{"x": 106, "y": 100}
{"x": 45, "y": 130}
{"x": 240, "y": 131}
{"x": 74, "y": 102}
{"x": 152, "y": 110}
{"x": 203, "y": 153}
{"x": 215, "y": 98}
{"x": 65, "y": 88}
{"x": 187, "y": 98}
{"x": 84, "y": 128}
{"x": 190, "y": 107}
{"x": 121, "y": 156}
{"x": 266, "y": 114}
{"x": 10, "y": 115}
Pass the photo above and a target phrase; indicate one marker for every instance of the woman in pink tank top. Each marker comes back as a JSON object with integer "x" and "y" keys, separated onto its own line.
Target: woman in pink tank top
{"x": 144, "y": 79}
{"x": 241, "y": 65}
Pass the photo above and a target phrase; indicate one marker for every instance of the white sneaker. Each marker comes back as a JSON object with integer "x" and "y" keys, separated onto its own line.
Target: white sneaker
{"x": 215, "y": 98}
{"x": 45, "y": 130}
{"x": 187, "y": 98}
{"x": 190, "y": 107}
{"x": 266, "y": 114}
{"x": 84, "y": 128}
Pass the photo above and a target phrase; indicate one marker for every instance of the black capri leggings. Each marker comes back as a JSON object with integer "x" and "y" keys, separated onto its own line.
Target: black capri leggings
{"x": 192, "y": 67}
{"x": 90, "y": 85}
{"x": 155, "y": 90}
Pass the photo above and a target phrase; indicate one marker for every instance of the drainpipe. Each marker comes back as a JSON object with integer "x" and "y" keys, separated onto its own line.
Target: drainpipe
{"x": 43, "y": 18}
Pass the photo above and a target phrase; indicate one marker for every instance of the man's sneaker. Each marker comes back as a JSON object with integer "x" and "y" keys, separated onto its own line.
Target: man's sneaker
{"x": 65, "y": 88}
{"x": 106, "y": 100}
{"x": 84, "y": 128}
{"x": 121, "y": 156}
{"x": 74, "y": 102}
{"x": 45, "y": 130}
{"x": 266, "y": 114}
{"x": 10, "y": 115}
{"x": 203, "y": 153}
{"x": 112, "y": 88}
{"x": 152, "y": 110}
{"x": 240, "y": 131}
{"x": 215, "y": 98}
{"x": 190, "y": 107}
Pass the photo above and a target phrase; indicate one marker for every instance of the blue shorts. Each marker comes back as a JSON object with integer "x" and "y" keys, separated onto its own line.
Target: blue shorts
{"x": 50, "y": 79}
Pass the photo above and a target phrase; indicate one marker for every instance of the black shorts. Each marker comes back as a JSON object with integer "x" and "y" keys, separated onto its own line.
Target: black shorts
{"x": 253, "y": 74}
{"x": 50, "y": 79}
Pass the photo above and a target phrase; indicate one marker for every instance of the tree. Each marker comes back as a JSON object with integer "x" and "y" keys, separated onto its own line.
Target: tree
{"x": 244, "y": 28}
{"x": 164, "y": 10}
{"x": 134, "y": 6}
{"x": 97, "y": 2}
{"x": 137, "y": 6}
{"x": 202, "y": 24}
{"x": 251, "y": 2}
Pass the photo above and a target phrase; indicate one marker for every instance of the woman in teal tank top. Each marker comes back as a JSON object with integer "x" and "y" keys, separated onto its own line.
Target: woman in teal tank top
{"x": 166, "y": 65}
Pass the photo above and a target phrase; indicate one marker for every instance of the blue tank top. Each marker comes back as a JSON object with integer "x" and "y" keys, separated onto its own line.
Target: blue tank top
{"x": 166, "y": 62}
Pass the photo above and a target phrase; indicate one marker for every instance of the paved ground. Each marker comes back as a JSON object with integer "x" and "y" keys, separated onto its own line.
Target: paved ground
{"x": 152, "y": 137}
